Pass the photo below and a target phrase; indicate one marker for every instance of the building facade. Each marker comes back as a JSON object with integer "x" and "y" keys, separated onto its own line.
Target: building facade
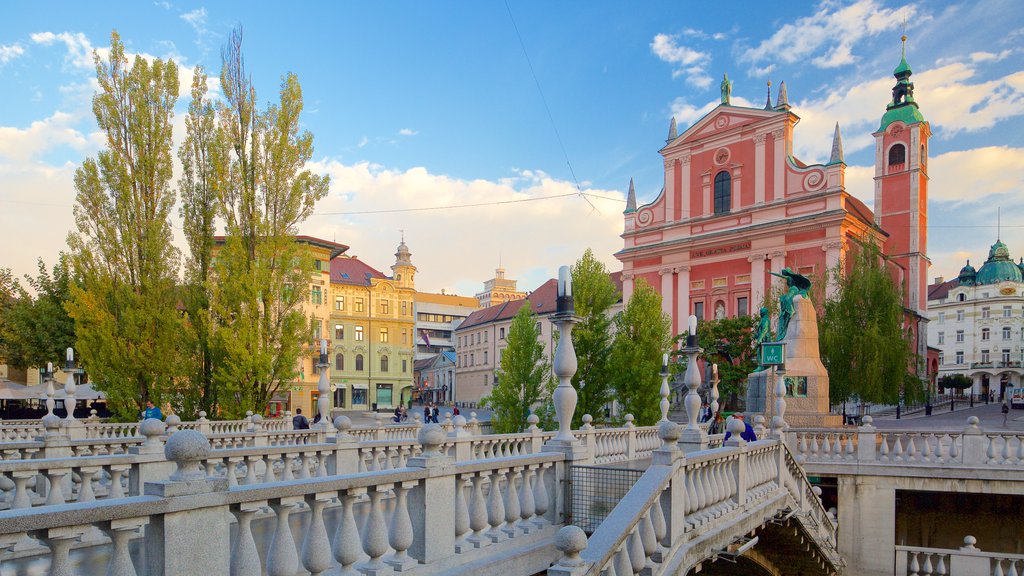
{"x": 499, "y": 290}
{"x": 481, "y": 339}
{"x": 977, "y": 323}
{"x": 371, "y": 329}
{"x": 736, "y": 205}
{"x": 437, "y": 316}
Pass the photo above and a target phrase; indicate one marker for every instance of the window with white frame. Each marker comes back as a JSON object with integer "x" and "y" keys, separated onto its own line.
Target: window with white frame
{"x": 959, "y": 357}
{"x": 985, "y": 334}
{"x": 959, "y": 315}
{"x": 942, "y": 337}
{"x": 984, "y": 357}
{"x": 985, "y": 313}
{"x": 1006, "y": 332}
{"x": 959, "y": 335}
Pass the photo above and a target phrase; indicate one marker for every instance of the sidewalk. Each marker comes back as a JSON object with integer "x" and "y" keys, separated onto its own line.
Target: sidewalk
{"x": 990, "y": 418}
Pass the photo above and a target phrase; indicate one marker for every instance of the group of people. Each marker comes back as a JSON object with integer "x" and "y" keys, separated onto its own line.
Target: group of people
{"x": 300, "y": 422}
{"x": 431, "y": 412}
{"x": 718, "y": 423}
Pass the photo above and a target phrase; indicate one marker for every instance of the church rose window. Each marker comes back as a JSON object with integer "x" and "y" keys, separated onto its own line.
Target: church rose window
{"x": 897, "y": 155}
{"x": 723, "y": 192}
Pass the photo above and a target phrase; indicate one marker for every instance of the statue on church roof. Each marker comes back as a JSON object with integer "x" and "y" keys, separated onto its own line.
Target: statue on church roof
{"x": 798, "y": 284}
{"x": 726, "y": 89}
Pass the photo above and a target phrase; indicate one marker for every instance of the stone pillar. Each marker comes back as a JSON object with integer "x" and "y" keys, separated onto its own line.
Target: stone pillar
{"x": 671, "y": 169}
{"x": 667, "y": 290}
{"x": 432, "y": 501}
{"x": 627, "y": 287}
{"x": 682, "y": 296}
{"x": 684, "y": 187}
{"x": 778, "y": 260}
{"x": 173, "y": 538}
{"x": 757, "y": 290}
{"x": 779, "y": 160}
{"x": 155, "y": 471}
{"x": 866, "y": 441}
{"x": 346, "y": 449}
{"x": 867, "y": 529}
{"x": 759, "y": 168}
{"x": 832, "y": 251}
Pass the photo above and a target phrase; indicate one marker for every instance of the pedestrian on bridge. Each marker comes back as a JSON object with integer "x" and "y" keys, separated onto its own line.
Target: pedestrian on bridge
{"x": 1006, "y": 412}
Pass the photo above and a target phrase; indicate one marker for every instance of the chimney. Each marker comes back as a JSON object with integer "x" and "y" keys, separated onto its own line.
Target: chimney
{"x": 939, "y": 279}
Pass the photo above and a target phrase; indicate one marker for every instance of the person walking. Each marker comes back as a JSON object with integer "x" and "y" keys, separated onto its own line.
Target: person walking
{"x": 426, "y": 413}
{"x": 434, "y": 414}
{"x": 152, "y": 411}
{"x": 748, "y": 431}
{"x": 299, "y": 422}
{"x": 1006, "y": 412}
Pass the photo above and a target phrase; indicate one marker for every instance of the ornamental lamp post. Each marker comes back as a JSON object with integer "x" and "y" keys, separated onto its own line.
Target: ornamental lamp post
{"x": 665, "y": 391}
{"x": 323, "y": 387}
{"x": 564, "y": 363}
{"x": 69, "y": 386}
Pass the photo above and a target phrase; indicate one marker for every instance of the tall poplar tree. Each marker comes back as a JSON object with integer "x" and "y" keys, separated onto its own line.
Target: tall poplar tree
{"x": 862, "y": 338}
{"x": 642, "y": 335}
{"x": 593, "y": 295}
{"x": 204, "y": 169}
{"x": 523, "y": 380}
{"x": 262, "y": 274}
{"x": 125, "y": 307}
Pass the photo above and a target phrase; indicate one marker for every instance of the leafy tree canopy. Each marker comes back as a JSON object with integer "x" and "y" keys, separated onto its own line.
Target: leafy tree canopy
{"x": 523, "y": 381}
{"x": 642, "y": 335}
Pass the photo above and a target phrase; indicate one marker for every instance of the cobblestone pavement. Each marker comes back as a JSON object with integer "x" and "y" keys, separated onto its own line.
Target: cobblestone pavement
{"x": 990, "y": 416}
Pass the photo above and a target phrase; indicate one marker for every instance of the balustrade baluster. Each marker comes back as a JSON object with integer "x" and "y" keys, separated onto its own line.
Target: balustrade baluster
{"x": 400, "y": 533}
{"x": 346, "y": 547}
{"x": 658, "y": 521}
{"x": 286, "y": 472}
{"x": 85, "y": 491}
{"x": 691, "y": 492}
{"x": 926, "y": 566}
{"x": 1006, "y": 449}
{"x": 849, "y": 446}
{"x": 250, "y": 470}
{"x": 826, "y": 447}
{"x": 1012, "y": 568}
{"x": 375, "y": 535}
{"x": 461, "y": 514}
{"x": 245, "y": 559}
{"x": 60, "y": 541}
{"x": 268, "y": 468}
{"x": 637, "y": 560}
{"x": 802, "y": 448}
{"x": 540, "y": 496}
{"x": 814, "y": 444}
{"x": 230, "y": 472}
{"x": 282, "y": 559}
{"x": 701, "y": 481}
{"x": 954, "y": 450}
{"x": 998, "y": 571}
{"x": 648, "y": 540}
{"x": 120, "y": 533}
{"x": 316, "y": 547}
{"x": 526, "y": 503}
{"x": 897, "y": 449}
{"x": 622, "y": 565}
{"x": 304, "y": 463}
{"x": 911, "y": 448}
{"x": 512, "y": 509}
{"x": 210, "y": 465}
{"x": 478, "y": 513}
{"x": 883, "y": 448}
{"x": 940, "y": 566}
{"x": 495, "y": 507}
{"x": 116, "y": 475}
{"x": 55, "y": 491}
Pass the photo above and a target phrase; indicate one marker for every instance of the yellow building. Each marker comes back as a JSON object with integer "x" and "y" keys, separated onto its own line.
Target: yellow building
{"x": 372, "y": 332}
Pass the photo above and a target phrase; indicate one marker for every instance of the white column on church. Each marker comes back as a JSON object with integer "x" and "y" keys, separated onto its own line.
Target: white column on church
{"x": 706, "y": 192}
{"x": 778, "y": 260}
{"x": 667, "y": 276}
{"x": 735, "y": 197}
{"x": 684, "y": 189}
{"x": 759, "y": 156}
{"x": 779, "y": 188}
{"x": 832, "y": 251}
{"x": 683, "y": 296}
{"x": 670, "y": 189}
{"x": 627, "y": 287}
{"x": 756, "y": 280}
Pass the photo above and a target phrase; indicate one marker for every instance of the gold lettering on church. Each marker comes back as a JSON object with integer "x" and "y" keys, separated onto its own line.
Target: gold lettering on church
{"x": 720, "y": 250}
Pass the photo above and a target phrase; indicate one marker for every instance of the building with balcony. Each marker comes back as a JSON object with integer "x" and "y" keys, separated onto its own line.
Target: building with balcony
{"x": 372, "y": 331}
{"x": 437, "y": 317}
{"x": 977, "y": 322}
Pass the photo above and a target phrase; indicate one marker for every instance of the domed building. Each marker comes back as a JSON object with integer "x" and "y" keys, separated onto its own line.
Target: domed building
{"x": 977, "y": 322}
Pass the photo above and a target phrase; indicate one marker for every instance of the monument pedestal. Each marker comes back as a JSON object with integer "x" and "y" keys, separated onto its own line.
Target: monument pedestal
{"x": 806, "y": 377}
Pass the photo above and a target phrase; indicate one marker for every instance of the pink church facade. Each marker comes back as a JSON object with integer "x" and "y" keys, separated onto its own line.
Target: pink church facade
{"x": 737, "y": 205}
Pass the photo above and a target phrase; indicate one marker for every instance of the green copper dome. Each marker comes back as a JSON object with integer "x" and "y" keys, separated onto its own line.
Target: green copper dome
{"x": 903, "y": 68}
{"x": 999, "y": 267}
{"x": 967, "y": 275}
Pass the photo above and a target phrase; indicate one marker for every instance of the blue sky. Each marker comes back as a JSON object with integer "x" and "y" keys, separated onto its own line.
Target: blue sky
{"x": 417, "y": 104}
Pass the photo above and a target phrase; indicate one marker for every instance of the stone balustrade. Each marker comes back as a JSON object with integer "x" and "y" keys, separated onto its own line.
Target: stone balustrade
{"x": 701, "y": 496}
{"x": 970, "y": 447}
{"x": 434, "y": 513}
{"x": 968, "y": 559}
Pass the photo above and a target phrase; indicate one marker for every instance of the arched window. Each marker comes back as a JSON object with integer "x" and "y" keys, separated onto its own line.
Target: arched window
{"x": 383, "y": 363}
{"x": 897, "y": 155}
{"x": 359, "y": 362}
{"x": 961, "y": 297}
{"x": 723, "y": 192}
{"x": 924, "y": 158}
{"x": 339, "y": 361}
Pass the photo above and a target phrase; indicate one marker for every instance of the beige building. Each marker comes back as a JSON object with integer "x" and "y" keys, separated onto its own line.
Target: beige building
{"x": 499, "y": 290}
{"x": 481, "y": 339}
{"x": 437, "y": 316}
{"x": 372, "y": 322}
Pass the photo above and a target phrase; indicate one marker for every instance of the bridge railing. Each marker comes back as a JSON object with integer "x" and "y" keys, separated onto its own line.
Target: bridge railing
{"x": 680, "y": 498}
{"x": 434, "y": 512}
{"x": 968, "y": 559}
{"x": 969, "y": 447}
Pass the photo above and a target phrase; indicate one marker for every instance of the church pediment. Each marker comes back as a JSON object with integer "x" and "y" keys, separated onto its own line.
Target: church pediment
{"x": 720, "y": 120}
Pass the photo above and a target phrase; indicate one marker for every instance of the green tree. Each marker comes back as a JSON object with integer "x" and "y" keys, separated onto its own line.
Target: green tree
{"x": 956, "y": 381}
{"x": 262, "y": 273}
{"x": 729, "y": 343}
{"x": 36, "y": 329}
{"x": 125, "y": 308}
{"x": 593, "y": 294}
{"x": 204, "y": 163}
{"x": 863, "y": 341}
{"x": 642, "y": 335}
{"x": 523, "y": 381}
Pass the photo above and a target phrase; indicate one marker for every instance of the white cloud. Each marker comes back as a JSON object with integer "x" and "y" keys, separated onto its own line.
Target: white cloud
{"x": 35, "y": 213}
{"x": 687, "y": 114}
{"x": 687, "y": 61}
{"x": 829, "y": 35}
{"x": 457, "y": 248}
{"x": 79, "y": 49}
{"x": 24, "y": 145}
{"x": 162, "y": 4}
{"x": 990, "y": 56}
{"x": 408, "y": 132}
{"x": 9, "y": 52}
{"x": 196, "y": 19}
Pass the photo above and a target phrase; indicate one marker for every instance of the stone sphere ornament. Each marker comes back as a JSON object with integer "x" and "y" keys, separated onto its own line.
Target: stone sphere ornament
{"x": 669, "y": 432}
{"x": 52, "y": 423}
{"x": 570, "y": 541}
{"x": 431, "y": 437}
{"x": 187, "y": 449}
{"x": 152, "y": 429}
{"x": 533, "y": 420}
{"x": 736, "y": 427}
{"x": 343, "y": 424}
{"x": 173, "y": 421}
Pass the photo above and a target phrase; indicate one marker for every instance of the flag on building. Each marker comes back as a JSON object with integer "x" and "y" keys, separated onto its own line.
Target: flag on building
{"x": 425, "y": 337}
